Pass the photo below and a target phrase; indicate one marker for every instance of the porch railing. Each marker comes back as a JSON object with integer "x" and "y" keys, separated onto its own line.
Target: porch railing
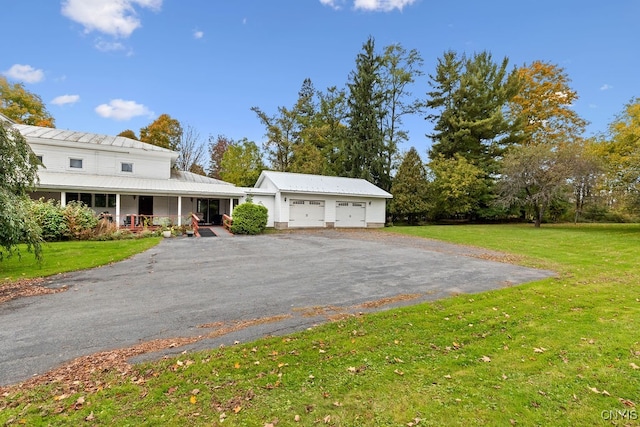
{"x": 137, "y": 222}
{"x": 227, "y": 222}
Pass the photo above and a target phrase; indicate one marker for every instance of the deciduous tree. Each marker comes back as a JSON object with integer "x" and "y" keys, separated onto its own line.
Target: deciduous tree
{"x": 128, "y": 133}
{"x": 242, "y": 163}
{"x": 22, "y": 106}
{"x": 18, "y": 174}
{"x": 191, "y": 151}
{"x": 164, "y": 132}
{"x": 456, "y": 186}
{"x": 217, "y": 148}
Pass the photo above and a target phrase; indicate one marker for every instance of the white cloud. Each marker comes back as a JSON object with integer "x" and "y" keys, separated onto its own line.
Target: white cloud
{"x": 25, "y": 73}
{"x": 107, "y": 46}
{"x": 114, "y": 17}
{"x": 65, "y": 99}
{"x": 371, "y": 5}
{"x": 198, "y": 34}
{"x": 120, "y": 109}
{"x": 606, "y": 87}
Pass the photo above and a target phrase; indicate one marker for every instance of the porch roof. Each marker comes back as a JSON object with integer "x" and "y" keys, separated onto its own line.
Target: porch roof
{"x": 180, "y": 184}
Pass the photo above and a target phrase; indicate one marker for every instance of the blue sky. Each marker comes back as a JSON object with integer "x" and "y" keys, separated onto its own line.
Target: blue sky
{"x": 104, "y": 66}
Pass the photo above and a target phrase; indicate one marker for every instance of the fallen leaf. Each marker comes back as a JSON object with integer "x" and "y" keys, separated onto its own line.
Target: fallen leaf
{"x": 399, "y": 372}
{"x": 605, "y": 393}
{"x": 237, "y": 409}
{"x": 297, "y": 418}
{"x": 327, "y": 419}
{"x": 236, "y": 365}
{"x": 90, "y": 417}
{"x": 195, "y": 391}
{"x": 485, "y": 359}
{"x": 634, "y": 366}
{"x": 448, "y": 376}
{"x": 595, "y": 390}
{"x": 626, "y": 402}
{"x": 193, "y": 400}
{"x": 539, "y": 350}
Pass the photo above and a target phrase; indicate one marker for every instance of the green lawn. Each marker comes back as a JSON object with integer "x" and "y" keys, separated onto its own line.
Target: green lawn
{"x": 61, "y": 257}
{"x": 564, "y": 351}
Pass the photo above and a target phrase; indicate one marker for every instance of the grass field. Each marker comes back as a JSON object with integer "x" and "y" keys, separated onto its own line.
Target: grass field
{"x": 564, "y": 351}
{"x": 61, "y": 257}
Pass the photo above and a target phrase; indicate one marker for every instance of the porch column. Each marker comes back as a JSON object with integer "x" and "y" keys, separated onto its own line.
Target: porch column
{"x": 118, "y": 209}
{"x": 179, "y": 211}
{"x": 230, "y": 206}
{"x": 63, "y": 198}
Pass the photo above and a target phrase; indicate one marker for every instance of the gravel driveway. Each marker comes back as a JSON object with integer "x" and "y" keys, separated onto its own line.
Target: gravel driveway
{"x": 175, "y": 288}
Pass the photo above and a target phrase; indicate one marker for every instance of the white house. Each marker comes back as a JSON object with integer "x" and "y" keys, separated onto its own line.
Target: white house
{"x": 126, "y": 179}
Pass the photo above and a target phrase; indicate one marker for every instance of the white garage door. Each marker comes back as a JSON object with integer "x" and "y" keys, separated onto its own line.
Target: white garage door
{"x": 350, "y": 214}
{"x": 306, "y": 213}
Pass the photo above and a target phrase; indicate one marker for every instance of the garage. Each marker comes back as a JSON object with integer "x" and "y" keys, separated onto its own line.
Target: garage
{"x": 306, "y": 213}
{"x": 351, "y": 214}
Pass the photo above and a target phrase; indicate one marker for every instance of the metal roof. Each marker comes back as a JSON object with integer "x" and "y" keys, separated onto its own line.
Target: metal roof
{"x": 304, "y": 183}
{"x": 61, "y": 135}
{"x": 180, "y": 184}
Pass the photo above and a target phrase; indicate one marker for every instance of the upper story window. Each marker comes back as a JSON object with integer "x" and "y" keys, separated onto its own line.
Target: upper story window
{"x": 126, "y": 167}
{"x": 75, "y": 163}
{"x": 39, "y": 157}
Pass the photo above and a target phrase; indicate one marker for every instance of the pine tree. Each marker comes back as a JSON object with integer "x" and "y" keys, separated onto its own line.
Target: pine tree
{"x": 410, "y": 188}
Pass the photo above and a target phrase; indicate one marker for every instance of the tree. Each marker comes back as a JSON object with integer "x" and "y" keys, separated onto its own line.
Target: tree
{"x": 410, "y": 188}
{"x": 280, "y": 137}
{"x": 586, "y": 172}
{"x": 128, "y": 133}
{"x": 399, "y": 70}
{"x": 456, "y": 187}
{"x": 191, "y": 151}
{"x": 534, "y": 176}
{"x": 542, "y": 106}
{"x": 217, "y": 148}
{"x": 621, "y": 153}
{"x": 364, "y": 151}
{"x": 22, "y": 106}
{"x": 469, "y": 97}
{"x": 242, "y": 163}
{"x": 18, "y": 175}
{"x": 164, "y": 132}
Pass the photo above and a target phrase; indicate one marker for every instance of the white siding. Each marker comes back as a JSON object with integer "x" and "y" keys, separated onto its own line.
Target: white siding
{"x": 107, "y": 162}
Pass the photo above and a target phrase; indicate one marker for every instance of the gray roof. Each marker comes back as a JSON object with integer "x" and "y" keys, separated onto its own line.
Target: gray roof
{"x": 180, "y": 184}
{"x": 336, "y": 185}
{"x": 62, "y": 135}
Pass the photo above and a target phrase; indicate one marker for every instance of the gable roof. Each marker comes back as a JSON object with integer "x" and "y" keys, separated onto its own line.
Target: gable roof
{"x": 61, "y": 136}
{"x": 336, "y": 185}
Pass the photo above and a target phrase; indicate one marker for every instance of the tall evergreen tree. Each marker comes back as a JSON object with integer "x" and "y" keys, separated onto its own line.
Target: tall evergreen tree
{"x": 363, "y": 154}
{"x": 410, "y": 188}
{"x": 470, "y": 97}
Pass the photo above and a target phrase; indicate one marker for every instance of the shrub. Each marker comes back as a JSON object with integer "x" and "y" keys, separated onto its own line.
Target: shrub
{"x": 50, "y": 216}
{"x": 81, "y": 220}
{"x": 249, "y": 219}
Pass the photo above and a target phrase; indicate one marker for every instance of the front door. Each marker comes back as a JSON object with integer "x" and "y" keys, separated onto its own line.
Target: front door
{"x": 145, "y": 205}
{"x": 208, "y": 210}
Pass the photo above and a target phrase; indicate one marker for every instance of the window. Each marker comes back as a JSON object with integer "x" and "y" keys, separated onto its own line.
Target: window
{"x": 75, "y": 163}
{"x": 126, "y": 167}
{"x": 104, "y": 201}
{"x": 39, "y": 157}
{"x": 79, "y": 197}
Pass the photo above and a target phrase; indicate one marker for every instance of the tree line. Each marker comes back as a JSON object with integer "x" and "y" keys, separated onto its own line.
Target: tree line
{"x": 506, "y": 143}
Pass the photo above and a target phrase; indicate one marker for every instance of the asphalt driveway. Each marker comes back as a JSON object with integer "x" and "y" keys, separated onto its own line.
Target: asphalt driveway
{"x": 181, "y": 284}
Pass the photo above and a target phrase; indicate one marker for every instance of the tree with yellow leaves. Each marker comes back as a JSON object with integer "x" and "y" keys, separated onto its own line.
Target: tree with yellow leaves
{"x": 22, "y": 106}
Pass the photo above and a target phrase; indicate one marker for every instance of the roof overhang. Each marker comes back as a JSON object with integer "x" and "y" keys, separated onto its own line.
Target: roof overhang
{"x": 70, "y": 182}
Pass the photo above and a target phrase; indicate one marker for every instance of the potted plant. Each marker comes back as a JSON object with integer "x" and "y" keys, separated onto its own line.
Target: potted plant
{"x": 188, "y": 229}
{"x": 165, "y": 227}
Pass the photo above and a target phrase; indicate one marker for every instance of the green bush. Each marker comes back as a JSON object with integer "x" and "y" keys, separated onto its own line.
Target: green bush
{"x": 51, "y": 218}
{"x": 249, "y": 219}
